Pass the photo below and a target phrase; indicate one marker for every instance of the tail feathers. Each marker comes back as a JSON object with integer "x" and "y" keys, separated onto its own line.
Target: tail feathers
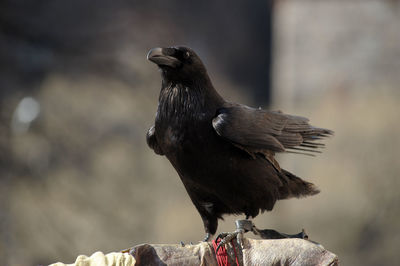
{"x": 294, "y": 186}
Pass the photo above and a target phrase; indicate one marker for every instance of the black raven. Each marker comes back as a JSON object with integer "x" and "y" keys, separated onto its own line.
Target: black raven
{"x": 223, "y": 151}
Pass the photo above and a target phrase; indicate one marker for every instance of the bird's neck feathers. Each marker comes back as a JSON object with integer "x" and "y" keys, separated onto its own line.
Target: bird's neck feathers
{"x": 188, "y": 98}
{"x": 197, "y": 79}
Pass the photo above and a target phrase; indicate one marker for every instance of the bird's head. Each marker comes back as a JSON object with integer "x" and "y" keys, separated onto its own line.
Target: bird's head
{"x": 178, "y": 64}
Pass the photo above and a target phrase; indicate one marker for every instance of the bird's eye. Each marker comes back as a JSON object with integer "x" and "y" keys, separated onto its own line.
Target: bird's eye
{"x": 186, "y": 55}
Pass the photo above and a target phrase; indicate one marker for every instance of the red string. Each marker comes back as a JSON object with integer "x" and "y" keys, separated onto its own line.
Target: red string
{"x": 222, "y": 255}
{"x": 234, "y": 250}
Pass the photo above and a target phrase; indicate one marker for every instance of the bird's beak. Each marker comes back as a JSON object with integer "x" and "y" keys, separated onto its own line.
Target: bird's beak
{"x": 157, "y": 56}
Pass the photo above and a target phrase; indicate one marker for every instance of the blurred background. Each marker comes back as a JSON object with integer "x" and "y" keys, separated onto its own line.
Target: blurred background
{"x": 77, "y": 96}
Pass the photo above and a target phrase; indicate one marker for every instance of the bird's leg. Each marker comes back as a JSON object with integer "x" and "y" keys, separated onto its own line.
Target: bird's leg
{"x": 242, "y": 226}
{"x": 207, "y": 237}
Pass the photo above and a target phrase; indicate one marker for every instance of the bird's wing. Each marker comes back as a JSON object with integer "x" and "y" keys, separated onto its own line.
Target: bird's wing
{"x": 261, "y": 131}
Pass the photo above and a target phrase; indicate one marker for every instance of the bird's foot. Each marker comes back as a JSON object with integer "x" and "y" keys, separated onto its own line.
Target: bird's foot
{"x": 228, "y": 237}
{"x": 242, "y": 226}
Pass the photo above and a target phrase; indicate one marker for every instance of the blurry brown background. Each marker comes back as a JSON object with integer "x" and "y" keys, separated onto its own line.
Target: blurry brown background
{"x": 77, "y": 97}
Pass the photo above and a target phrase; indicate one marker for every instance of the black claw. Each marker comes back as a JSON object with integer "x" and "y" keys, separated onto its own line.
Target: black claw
{"x": 225, "y": 239}
{"x": 219, "y": 245}
{"x": 221, "y": 236}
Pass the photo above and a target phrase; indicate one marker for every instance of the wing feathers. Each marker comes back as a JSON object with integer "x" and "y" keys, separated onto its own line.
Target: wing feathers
{"x": 256, "y": 130}
{"x": 244, "y": 136}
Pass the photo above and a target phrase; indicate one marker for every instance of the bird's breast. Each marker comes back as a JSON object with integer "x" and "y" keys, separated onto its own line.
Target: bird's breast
{"x": 184, "y": 126}
{"x": 177, "y": 135}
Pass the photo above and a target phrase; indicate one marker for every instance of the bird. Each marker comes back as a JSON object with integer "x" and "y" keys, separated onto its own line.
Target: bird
{"x": 224, "y": 152}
